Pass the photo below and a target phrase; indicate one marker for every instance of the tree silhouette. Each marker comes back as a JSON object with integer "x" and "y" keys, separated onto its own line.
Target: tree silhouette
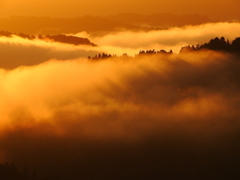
{"x": 236, "y": 45}
{"x": 57, "y": 38}
{"x": 10, "y": 172}
{"x": 216, "y": 44}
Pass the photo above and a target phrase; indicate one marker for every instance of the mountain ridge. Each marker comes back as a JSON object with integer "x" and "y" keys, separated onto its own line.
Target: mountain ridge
{"x": 93, "y": 24}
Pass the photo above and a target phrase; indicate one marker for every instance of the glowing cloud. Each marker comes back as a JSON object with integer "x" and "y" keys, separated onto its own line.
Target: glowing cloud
{"x": 32, "y": 52}
{"x": 122, "y": 116}
{"x": 173, "y": 38}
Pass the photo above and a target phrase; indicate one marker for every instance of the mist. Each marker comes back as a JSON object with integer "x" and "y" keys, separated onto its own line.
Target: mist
{"x": 149, "y": 113}
{"x": 173, "y": 38}
{"x": 149, "y": 117}
{"x": 16, "y": 51}
{"x": 33, "y": 52}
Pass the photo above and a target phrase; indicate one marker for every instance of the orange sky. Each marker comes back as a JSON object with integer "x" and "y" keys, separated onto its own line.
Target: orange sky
{"x": 163, "y": 116}
{"x": 215, "y": 9}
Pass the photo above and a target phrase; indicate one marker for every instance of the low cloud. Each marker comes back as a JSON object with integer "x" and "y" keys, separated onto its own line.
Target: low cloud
{"x": 33, "y": 52}
{"x": 173, "y": 38}
{"x": 159, "y": 116}
{"x": 154, "y": 110}
{"x": 18, "y": 51}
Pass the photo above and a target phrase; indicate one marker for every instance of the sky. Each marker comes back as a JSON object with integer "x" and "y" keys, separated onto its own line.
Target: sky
{"x": 215, "y": 9}
{"x": 163, "y": 116}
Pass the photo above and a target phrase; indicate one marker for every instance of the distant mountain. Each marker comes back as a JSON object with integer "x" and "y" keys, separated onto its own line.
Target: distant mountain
{"x": 91, "y": 24}
{"x": 69, "y": 39}
{"x": 56, "y": 38}
{"x": 160, "y": 20}
{"x": 47, "y": 25}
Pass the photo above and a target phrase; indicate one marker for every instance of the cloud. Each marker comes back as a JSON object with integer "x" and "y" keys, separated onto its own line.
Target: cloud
{"x": 17, "y": 52}
{"x": 33, "y": 52}
{"x": 160, "y": 116}
{"x": 173, "y": 38}
{"x": 120, "y": 116}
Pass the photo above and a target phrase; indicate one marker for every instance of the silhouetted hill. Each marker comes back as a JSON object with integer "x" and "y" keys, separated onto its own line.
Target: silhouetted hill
{"x": 128, "y": 21}
{"x": 70, "y": 39}
{"x": 217, "y": 44}
{"x": 160, "y": 20}
{"x": 56, "y": 38}
{"x": 47, "y": 25}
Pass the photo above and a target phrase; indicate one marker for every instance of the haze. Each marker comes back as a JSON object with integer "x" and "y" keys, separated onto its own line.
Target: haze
{"x": 215, "y": 9}
{"x": 135, "y": 90}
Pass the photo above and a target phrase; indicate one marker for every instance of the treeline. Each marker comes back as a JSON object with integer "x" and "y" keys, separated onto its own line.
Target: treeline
{"x": 10, "y": 172}
{"x": 125, "y": 55}
{"x": 216, "y": 44}
{"x": 56, "y": 38}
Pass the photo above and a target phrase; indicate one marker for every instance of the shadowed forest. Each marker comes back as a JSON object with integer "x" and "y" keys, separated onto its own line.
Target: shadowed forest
{"x": 10, "y": 172}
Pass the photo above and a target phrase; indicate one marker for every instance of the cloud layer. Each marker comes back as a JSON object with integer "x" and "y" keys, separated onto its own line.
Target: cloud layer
{"x": 155, "y": 112}
{"x": 173, "y": 38}
{"x": 148, "y": 117}
{"x": 29, "y": 52}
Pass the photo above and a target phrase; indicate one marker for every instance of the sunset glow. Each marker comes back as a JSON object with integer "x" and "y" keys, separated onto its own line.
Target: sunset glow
{"x": 119, "y": 90}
